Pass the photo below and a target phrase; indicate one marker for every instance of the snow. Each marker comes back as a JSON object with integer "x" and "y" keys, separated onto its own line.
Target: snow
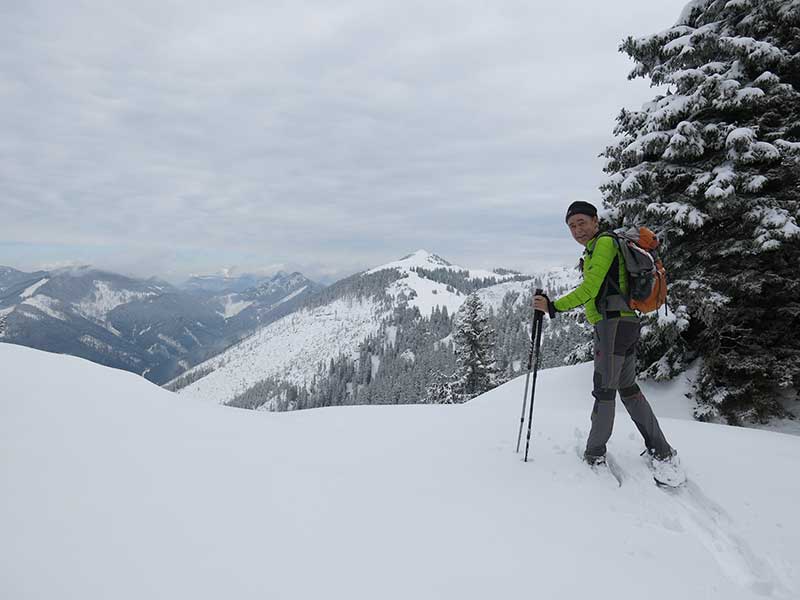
{"x": 191, "y": 335}
{"x": 426, "y": 293}
{"x": 790, "y": 147}
{"x": 691, "y": 6}
{"x": 631, "y": 186}
{"x": 375, "y": 365}
{"x": 774, "y": 224}
{"x": 492, "y": 296}
{"x": 749, "y": 94}
{"x": 391, "y": 335}
{"x": 683, "y": 213}
{"x": 30, "y": 315}
{"x": 120, "y": 489}
{"x": 445, "y": 341}
{"x": 104, "y": 299}
{"x": 294, "y": 294}
{"x": 715, "y": 192}
{"x": 427, "y": 260}
{"x": 47, "y": 305}
{"x": 756, "y": 183}
{"x": 420, "y": 258}
{"x": 740, "y": 135}
{"x": 757, "y": 51}
{"x": 30, "y": 291}
{"x": 638, "y": 146}
{"x": 231, "y": 307}
{"x": 554, "y": 281}
{"x": 172, "y": 343}
{"x": 767, "y": 79}
{"x": 678, "y": 44}
{"x": 290, "y": 348}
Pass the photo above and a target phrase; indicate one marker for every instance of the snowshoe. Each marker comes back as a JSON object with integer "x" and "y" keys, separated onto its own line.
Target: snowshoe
{"x": 667, "y": 470}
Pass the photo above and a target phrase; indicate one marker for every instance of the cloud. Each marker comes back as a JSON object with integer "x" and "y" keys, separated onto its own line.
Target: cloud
{"x": 181, "y": 137}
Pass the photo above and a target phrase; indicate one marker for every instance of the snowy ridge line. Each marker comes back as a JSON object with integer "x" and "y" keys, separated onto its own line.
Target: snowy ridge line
{"x": 427, "y": 260}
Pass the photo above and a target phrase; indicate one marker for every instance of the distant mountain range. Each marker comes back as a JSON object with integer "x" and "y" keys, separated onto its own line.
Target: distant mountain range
{"x": 382, "y": 336}
{"x": 285, "y": 342}
{"x": 148, "y": 326}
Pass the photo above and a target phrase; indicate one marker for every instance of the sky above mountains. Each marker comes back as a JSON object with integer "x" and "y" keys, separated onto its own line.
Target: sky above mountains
{"x": 170, "y": 138}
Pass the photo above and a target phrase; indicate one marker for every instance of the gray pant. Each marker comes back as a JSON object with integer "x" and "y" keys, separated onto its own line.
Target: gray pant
{"x": 615, "y": 369}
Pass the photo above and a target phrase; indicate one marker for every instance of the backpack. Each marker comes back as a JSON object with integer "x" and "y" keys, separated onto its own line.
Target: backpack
{"x": 647, "y": 278}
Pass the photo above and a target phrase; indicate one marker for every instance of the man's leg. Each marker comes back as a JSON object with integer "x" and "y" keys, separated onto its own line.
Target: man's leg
{"x": 606, "y": 374}
{"x": 638, "y": 407}
{"x": 602, "y": 420}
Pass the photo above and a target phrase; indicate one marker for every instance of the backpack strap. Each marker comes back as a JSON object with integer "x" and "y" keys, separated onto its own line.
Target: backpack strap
{"x": 619, "y": 299}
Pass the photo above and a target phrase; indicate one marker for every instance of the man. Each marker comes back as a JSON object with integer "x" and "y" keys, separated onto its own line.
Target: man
{"x": 616, "y": 332}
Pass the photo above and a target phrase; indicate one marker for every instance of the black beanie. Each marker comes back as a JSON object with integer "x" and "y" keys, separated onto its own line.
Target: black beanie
{"x": 581, "y": 208}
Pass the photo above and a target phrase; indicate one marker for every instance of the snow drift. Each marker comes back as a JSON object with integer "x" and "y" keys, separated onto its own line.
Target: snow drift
{"x": 115, "y": 488}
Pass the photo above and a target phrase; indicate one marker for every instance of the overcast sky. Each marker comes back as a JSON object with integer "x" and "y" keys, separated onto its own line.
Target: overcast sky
{"x": 168, "y": 138}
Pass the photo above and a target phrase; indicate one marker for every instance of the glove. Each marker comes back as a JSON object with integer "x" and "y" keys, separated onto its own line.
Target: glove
{"x": 551, "y": 309}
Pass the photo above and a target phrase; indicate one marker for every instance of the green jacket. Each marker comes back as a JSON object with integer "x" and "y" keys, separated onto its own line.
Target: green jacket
{"x": 597, "y": 259}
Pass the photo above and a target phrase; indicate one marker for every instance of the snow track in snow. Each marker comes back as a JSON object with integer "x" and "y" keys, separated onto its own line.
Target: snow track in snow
{"x": 715, "y": 530}
{"x": 691, "y": 511}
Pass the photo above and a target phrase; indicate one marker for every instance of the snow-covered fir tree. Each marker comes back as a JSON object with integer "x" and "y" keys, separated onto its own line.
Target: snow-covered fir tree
{"x": 475, "y": 346}
{"x": 441, "y": 390}
{"x": 713, "y": 167}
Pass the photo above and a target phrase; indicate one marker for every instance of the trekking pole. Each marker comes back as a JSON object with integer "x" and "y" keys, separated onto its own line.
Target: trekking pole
{"x": 538, "y": 319}
{"x": 527, "y": 378}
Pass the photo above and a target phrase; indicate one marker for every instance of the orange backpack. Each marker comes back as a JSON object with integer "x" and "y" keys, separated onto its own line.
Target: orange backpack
{"x": 647, "y": 278}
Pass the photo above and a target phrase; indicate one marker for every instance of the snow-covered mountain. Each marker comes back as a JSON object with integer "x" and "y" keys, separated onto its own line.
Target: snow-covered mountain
{"x": 114, "y": 488}
{"x": 267, "y": 301}
{"x": 358, "y": 324}
{"x": 145, "y": 326}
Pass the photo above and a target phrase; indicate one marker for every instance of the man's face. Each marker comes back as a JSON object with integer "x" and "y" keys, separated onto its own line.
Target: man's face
{"x": 583, "y": 228}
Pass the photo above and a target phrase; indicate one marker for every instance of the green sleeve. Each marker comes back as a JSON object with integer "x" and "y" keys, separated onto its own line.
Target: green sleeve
{"x": 593, "y": 275}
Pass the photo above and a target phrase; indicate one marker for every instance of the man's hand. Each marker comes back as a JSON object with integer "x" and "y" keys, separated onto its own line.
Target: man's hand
{"x": 542, "y": 303}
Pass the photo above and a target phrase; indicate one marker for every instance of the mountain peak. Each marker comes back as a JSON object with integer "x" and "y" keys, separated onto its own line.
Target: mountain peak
{"x": 424, "y": 257}
{"x": 420, "y": 258}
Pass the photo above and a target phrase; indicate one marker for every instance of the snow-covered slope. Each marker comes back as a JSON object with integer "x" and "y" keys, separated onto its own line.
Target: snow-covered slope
{"x": 290, "y": 349}
{"x": 115, "y": 488}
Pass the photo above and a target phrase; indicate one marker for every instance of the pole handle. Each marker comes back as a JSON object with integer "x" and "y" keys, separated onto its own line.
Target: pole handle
{"x": 537, "y": 314}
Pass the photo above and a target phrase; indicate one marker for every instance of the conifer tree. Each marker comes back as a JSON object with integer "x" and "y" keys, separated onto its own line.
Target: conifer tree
{"x": 713, "y": 167}
{"x": 475, "y": 345}
{"x": 440, "y": 390}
